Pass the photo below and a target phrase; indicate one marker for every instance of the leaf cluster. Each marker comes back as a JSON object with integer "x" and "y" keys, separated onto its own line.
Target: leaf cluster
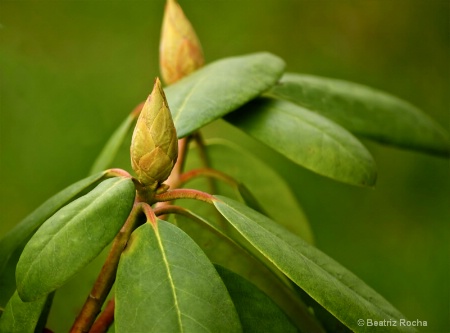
{"x": 239, "y": 258}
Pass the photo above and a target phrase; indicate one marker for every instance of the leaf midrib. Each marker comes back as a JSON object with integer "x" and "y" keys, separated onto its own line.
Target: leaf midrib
{"x": 329, "y": 135}
{"x": 170, "y": 278}
{"x": 335, "y": 87}
{"x": 334, "y": 279}
{"x": 188, "y": 96}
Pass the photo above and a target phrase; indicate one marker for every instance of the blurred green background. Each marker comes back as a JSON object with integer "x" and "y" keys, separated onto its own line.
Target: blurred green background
{"x": 72, "y": 70}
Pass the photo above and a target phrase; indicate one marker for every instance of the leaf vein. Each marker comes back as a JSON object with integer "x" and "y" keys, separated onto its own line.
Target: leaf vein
{"x": 189, "y": 95}
{"x": 170, "y": 278}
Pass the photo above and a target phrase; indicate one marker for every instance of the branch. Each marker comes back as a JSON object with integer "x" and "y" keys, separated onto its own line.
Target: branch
{"x": 107, "y": 276}
{"x": 207, "y": 172}
{"x": 174, "y": 178}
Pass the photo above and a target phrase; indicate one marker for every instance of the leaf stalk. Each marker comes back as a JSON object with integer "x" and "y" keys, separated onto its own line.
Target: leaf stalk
{"x": 107, "y": 276}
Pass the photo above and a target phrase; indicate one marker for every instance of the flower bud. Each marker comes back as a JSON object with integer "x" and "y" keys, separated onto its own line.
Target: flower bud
{"x": 154, "y": 145}
{"x": 180, "y": 52}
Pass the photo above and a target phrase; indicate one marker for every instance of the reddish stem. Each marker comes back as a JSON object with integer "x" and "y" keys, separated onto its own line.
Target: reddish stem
{"x": 172, "y": 181}
{"x": 184, "y": 194}
{"x": 149, "y": 214}
{"x": 107, "y": 276}
{"x": 206, "y": 172}
{"x": 174, "y": 178}
{"x": 105, "y": 319}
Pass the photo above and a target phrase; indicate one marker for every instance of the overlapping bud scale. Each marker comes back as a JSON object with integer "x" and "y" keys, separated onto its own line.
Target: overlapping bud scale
{"x": 154, "y": 145}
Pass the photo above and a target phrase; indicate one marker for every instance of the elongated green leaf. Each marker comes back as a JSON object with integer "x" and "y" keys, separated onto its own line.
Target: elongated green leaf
{"x": 223, "y": 250}
{"x": 205, "y": 95}
{"x": 165, "y": 283}
{"x": 308, "y": 139}
{"x": 331, "y": 285}
{"x": 219, "y": 88}
{"x": 257, "y": 312}
{"x": 113, "y": 145}
{"x": 263, "y": 182}
{"x": 73, "y": 237}
{"x": 27, "y": 226}
{"x": 12, "y": 243}
{"x": 22, "y": 317}
{"x": 365, "y": 111}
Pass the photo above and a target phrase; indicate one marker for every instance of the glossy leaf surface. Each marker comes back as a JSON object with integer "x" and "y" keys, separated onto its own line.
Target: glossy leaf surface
{"x": 225, "y": 251}
{"x": 22, "y": 317}
{"x": 365, "y": 112}
{"x": 111, "y": 148}
{"x": 73, "y": 237}
{"x": 265, "y": 185}
{"x": 331, "y": 285}
{"x": 308, "y": 139}
{"x": 12, "y": 243}
{"x": 257, "y": 312}
{"x": 219, "y": 88}
{"x": 165, "y": 283}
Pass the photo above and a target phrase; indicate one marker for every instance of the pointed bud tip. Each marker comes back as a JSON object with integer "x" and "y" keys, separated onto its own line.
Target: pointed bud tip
{"x": 157, "y": 84}
{"x": 157, "y": 89}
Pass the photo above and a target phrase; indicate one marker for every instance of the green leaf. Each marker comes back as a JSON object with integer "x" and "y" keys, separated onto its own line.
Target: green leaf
{"x": 72, "y": 295}
{"x": 265, "y": 185}
{"x": 219, "y": 88}
{"x": 45, "y": 313}
{"x": 249, "y": 199}
{"x": 8, "y": 275}
{"x": 22, "y": 317}
{"x": 257, "y": 312}
{"x": 165, "y": 283}
{"x": 28, "y": 226}
{"x": 308, "y": 139}
{"x": 73, "y": 237}
{"x": 107, "y": 155}
{"x": 365, "y": 112}
{"x": 329, "y": 322}
{"x": 205, "y": 95}
{"x": 12, "y": 243}
{"x": 331, "y": 285}
{"x": 222, "y": 250}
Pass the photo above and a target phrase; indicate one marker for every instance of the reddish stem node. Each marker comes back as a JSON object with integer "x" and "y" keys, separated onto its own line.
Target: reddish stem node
{"x": 149, "y": 214}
